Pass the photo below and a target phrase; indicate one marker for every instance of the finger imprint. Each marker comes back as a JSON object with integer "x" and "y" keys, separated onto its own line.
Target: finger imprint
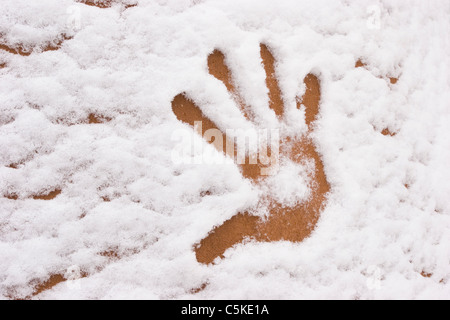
{"x": 49, "y": 196}
{"x": 276, "y": 102}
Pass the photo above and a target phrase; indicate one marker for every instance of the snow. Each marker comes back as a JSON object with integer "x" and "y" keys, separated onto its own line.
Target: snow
{"x": 387, "y": 219}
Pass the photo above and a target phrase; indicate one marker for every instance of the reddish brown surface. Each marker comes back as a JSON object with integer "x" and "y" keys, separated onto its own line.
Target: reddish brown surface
{"x": 20, "y": 50}
{"x": 360, "y": 64}
{"x": 387, "y": 132}
{"x": 53, "y": 281}
{"x": 92, "y": 119}
{"x": 284, "y": 223}
{"x": 275, "y": 97}
{"x": 104, "y": 4}
{"x": 218, "y": 68}
{"x": 12, "y": 196}
{"x": 49, "y": 196}
{"x": 311, "y": 98}
{"x": 199, "y": 289}
{"x": 426, "y": 274}
{"x": 96, "y": 119}
{"x": 186, "y": 111}
{"x": 56, "y": 279}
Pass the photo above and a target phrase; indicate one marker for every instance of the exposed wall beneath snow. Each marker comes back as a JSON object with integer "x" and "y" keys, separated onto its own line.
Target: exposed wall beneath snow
{"x": 128, "y": 217}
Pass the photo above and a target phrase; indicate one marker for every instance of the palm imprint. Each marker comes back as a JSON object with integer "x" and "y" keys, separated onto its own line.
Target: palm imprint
{"x": 284, "y": 223}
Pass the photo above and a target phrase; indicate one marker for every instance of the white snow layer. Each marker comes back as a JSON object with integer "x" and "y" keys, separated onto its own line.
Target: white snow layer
{"x": 374, "y": 239}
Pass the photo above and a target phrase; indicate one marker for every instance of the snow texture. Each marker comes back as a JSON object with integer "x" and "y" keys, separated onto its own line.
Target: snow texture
{"x": 387, "y": 220}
